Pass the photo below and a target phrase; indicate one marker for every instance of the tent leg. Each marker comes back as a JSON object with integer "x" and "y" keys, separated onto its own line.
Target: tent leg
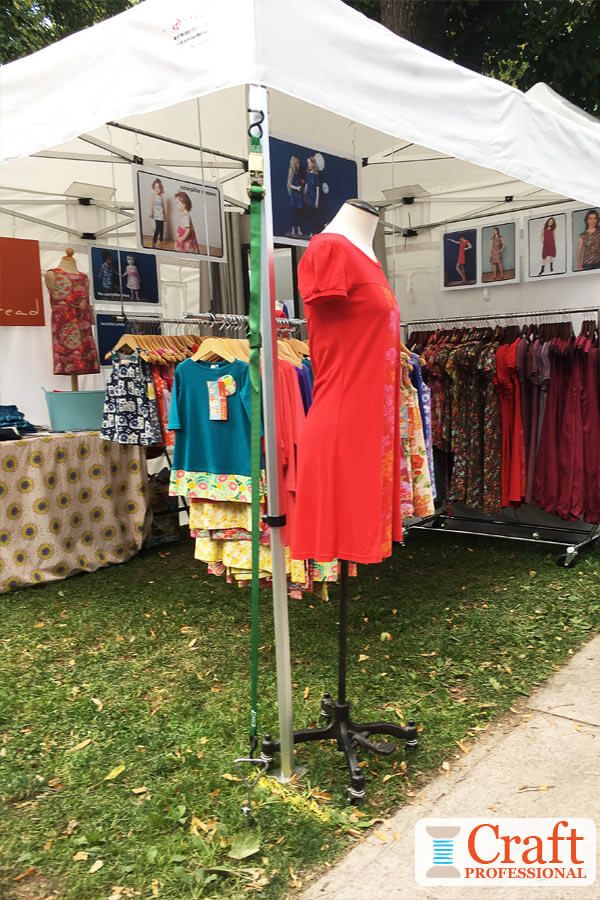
{"x": 258, "y": 102}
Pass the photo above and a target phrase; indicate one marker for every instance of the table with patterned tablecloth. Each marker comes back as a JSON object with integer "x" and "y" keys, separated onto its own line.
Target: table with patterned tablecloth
{"x": 69, "y": 503}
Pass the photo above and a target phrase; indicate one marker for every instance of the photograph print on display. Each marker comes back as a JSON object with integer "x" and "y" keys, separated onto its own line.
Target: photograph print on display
{"x": 308, "y": 187}
{"x": 178, "y": 215}
{"x": 585, "y": 239}
{"x": 547, "y": 245}
{"x": 124, "y": 276}
{"x": 499, "y": 256}
{"x": 460, "y": 258}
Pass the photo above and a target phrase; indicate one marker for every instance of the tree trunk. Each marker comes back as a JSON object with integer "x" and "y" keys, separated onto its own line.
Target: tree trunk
{"x": 421, "y": 21}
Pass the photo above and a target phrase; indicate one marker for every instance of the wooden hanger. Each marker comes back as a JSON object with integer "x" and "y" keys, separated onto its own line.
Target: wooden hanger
{"x": 213, "y": 348}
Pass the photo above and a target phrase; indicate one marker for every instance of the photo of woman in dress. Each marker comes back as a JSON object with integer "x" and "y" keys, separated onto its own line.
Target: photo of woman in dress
{"x": 158, "y": 211}
{"x": 499, "y": 257}
{"x": 295, "y": 189}
{"x": 497, "y": 248}
{"x": 588, "y": 240}
{"x": 460, "y": 258}
{"x": 547, "y": 246}
{"x": 185, "y": 242}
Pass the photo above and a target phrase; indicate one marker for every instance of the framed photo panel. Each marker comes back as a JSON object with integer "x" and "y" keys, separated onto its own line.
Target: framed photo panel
{"x": 179, "y": 215}
{"x": 546, "y": 246}
{"x": 124, "y": 276}
{"x": 459, "y": 250}
{"x": 585, "y": 240}
{"x": 308, "y": 187}
{"x": 499, "y": 252}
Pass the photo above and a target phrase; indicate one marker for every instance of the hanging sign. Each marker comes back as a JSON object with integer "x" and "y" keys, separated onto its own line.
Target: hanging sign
{"x": 177, "y": 214}
{"x": 21, "y": 298}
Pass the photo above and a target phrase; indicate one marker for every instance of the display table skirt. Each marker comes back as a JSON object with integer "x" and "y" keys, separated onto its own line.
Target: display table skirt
{"x": 68, "y": 503}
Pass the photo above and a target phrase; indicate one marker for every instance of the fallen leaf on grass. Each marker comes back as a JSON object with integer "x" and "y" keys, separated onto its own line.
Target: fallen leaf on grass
{"x": 114, "y": 773}
{"x": 306, "y": 693}
{"x": 197, "y": 825}
{"x": 385, "y": 636}
{"x": 392, "y": 775}
{"x": 229, "y": 777}
{"x": 80, "y": 745}
{"x": 32, "y": 870}
{"x": 139, "y": 790}
{"x": 362, "y": 657}
{"x": 81, "y": 856}
{"x": 40, "y": 625}
{"x": 98, "y": 704}
{"x": 463, "y": 747}
{"x": 244, "y": 845}
{"x": 446, "y": 766}
{"x": 155, "y": 888}
{"x": 71, "y": 827}
{"x": 96, "y": 866}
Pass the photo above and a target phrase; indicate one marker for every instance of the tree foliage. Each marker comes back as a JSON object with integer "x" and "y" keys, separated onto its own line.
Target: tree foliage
{"x": 29, "y": 25}
{"x": 519, "y": 41}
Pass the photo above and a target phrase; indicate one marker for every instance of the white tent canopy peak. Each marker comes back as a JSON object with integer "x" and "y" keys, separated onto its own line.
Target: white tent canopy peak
{"x": 163, "y": 52}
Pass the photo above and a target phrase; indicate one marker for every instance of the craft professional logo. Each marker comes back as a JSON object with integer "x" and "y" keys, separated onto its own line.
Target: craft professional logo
{"x": 510, "y": 852}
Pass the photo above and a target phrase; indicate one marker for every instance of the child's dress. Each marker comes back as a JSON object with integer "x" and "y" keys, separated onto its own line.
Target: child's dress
{"x": 106, "y": 277}
{"x": 190, "y": 245}
{"x": 133, "y": 278}
{"x": 130, "y": 415}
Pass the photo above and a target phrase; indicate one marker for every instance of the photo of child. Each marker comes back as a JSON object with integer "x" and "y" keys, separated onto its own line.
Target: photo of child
{"x": 185, "y": 241}
{"x": 309, "y": 186}
{"x": 158, "y": 211}
{"x": 107, "y": 272}
{"x": 177, "y": 215}
{"x": 123, "y": 276}
{"x": 132, "y": 274}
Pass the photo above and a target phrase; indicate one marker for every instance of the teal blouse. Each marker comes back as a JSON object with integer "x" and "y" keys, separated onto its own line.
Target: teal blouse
{"x": 202, "y": 444}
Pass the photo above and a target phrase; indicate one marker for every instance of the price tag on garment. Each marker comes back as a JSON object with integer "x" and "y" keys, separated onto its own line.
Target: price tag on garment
{"x": 218, "y": 392}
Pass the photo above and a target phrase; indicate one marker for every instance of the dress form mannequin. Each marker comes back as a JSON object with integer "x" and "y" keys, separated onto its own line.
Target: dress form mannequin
{"x": 357, "y": 221}
{"x": 71, "y": 320}
{"x": 349, "y": 474}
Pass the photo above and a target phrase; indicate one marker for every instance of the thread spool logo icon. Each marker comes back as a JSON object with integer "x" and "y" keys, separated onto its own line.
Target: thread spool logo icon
{"x": 443, "y": 839}
{"x": 511, "y": 852}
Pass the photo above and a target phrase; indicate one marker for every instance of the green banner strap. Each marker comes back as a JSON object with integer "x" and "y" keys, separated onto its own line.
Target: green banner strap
{"x": 256, "y": 197}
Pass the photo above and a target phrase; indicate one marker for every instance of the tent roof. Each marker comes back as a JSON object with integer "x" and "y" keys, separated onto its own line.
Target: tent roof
{"x": 160, "y": 54}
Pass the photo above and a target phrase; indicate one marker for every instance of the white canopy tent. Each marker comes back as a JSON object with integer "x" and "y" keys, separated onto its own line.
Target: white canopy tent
{"x": 180, "y": 69}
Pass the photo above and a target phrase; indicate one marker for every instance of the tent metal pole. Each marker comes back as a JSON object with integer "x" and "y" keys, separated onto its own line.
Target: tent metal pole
{"x": 177, "y": 143}
{"x": 258, "y": 102}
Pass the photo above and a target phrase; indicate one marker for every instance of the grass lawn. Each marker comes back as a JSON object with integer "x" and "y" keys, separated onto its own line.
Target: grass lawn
{"x": 123, "y": 701}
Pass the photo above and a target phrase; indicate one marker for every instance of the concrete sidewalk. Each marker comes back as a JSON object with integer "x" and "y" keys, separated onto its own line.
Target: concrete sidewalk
{"x": 554, "y": 746}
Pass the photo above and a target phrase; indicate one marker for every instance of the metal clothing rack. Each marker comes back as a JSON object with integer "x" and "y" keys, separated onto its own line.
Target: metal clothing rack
{"x": 571, "y": 541}
{"x": 223, "y": 319}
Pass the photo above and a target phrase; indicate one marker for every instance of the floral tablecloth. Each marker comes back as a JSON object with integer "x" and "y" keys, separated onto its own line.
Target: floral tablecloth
{"x": 69, "y": 503}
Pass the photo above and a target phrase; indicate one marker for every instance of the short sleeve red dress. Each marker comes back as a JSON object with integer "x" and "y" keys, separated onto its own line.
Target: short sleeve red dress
{"x": 348, "y": 486}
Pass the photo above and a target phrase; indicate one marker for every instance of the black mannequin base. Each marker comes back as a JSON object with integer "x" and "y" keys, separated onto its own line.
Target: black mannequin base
{"x": 351, "y": 737}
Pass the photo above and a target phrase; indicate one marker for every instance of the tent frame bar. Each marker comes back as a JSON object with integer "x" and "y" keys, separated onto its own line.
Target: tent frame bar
{"x": 177, "y": 143}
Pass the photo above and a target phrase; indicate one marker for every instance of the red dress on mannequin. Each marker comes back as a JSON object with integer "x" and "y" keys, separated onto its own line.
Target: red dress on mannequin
{"x": 348, "y": 488}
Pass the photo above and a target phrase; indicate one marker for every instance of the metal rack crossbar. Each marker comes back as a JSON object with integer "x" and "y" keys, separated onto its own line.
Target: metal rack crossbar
{"x": 441, "y": 321}
{"x": 202, "y": 318}
{"x": 572, "y": 541}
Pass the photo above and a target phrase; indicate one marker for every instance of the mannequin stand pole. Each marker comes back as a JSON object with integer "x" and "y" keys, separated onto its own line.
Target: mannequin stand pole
{"x": 350, "y": 736}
